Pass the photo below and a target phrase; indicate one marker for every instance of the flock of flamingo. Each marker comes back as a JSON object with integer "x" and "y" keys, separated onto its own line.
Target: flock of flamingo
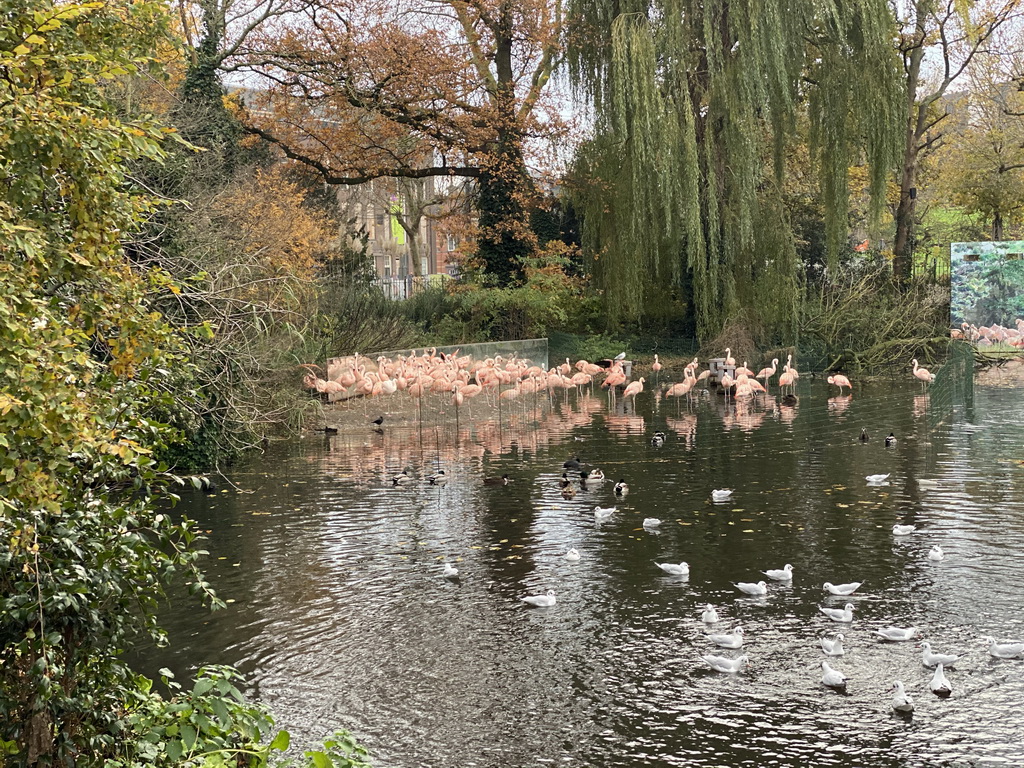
{"x": 989, "y": 335}
{"x": 463, "y": 378}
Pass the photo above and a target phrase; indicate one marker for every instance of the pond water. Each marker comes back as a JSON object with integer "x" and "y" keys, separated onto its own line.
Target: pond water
{"x": 342, "y": 618}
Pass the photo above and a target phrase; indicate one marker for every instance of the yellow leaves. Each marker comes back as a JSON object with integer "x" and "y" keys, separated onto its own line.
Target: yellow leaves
{"x": 7, "y": 402}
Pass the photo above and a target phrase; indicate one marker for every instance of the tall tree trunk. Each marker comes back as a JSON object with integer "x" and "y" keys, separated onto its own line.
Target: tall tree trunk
{"x": 997, "y": 226}
{"x": 903, "y": 248}
{"x": 505, "y": 186}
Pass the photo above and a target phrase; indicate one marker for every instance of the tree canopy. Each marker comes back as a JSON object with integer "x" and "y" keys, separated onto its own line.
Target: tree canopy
{"x": 695, "y": 103}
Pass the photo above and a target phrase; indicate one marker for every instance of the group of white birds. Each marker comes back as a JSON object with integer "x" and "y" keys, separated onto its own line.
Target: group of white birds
{"x": 831, "y": 644}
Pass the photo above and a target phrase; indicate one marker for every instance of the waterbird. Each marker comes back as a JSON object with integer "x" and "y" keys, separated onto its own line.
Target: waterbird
{"x": 573, "y": 463}
{"x": 710, "y": 615}
{"x": 930, "y": 659}
{"x": 841, "y": 589}
{"x": 901, "y": 702}
{"x": 730, "y": 640}
{"x": 890, "y": 441}
{"x": 620, "y": 356}
{"x": 595, "y": 475}
{"x": 903, "y": 530}
{"x": 877, "y": 478}
{"x": 402, "y": 477}
{"x": 658, "y": 440}
{"x": 621, "y": 489}
{"x": 758, "y": 589}
{"x": 936, "y": 553}
{"x": 1010, "y": 650}
{"x": 601, "y": 514}
{"x": 573, "y": 556}
{"x": 503, "y": 480}
{"x": 922, "y": 374}
{"x": 897, "y": 634}
{"x": 651, "y": 522}
{"x": 844, "y": 615}
{"x": 680, "y": 569}
{"x": 833, "y": 678}
{"x": 565, "y": 481}
{"x": 540, "y": 601}
{"x": 450, "y": 571}
{"x": 840, "y": 381}
{"x": 438, "y": 478}
{"x": 378, "y": 421}
{"x": 785, "y": 573}
{"x": 721, "y": 494}
{"x": 863, "y": 435}
{"x": 724, "y": 663}
{"x": 939, "y": 684}
{"x": 833, "y": 646}
{"x": 568, "y": 492}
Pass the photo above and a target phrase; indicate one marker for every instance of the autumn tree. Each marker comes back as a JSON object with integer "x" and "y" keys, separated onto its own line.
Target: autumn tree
{"x": 362, "y": 90}
{"x": 695, "y": 104}
{"x": 980, "y": 165}
{"x": 953, "y": 34}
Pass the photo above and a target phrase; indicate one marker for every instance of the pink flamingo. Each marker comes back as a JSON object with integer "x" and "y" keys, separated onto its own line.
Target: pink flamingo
{"x": 656, "y": 366}
{"x": 922, "y": 373}
{"x": 840, "y": 381}
{"x": 634, "y": 389}
{"x": 766, "y": 373}
{"x": 787, "y": 379}
{"x": 729, "y": 359}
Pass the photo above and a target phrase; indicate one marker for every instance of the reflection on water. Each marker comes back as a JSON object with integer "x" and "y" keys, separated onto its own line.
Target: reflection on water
{"x": 343, "y": 616}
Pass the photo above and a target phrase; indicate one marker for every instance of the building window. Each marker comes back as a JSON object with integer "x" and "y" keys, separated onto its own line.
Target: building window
{"x": 452, "y": 242}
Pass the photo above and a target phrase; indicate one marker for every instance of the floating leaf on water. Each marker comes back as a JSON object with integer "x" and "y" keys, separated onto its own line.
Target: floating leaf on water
{"x": 748, "y": 530}
{"x": 476, "y": 547}
{"x": 518, "y": 546}
{"x": 235, "y": 565}
{"x": 739, "y": 510}
{"x": 230, "y": 600}
{"x": 843, "y": 506}
{"x": 869, "y": 503}
{"x": 494, "y": 549}
{"x": 503, "y": 541}
{"x": 222, "y": 558}
{"x": 683, "y": 522}
{"x": 731, "y": 523}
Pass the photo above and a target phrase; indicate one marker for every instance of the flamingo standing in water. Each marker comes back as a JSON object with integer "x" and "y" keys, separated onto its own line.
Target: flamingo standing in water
{"x": 923, "y": 374}
{"x": 634, "y": 388}
{"x": 767, "y": 373}
{"x": 729, "y": 359}
{"x": 840, "y": 381}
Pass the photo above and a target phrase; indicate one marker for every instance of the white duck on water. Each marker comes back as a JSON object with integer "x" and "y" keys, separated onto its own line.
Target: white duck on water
{"x": 722, "y": 494}
{"x": 903, "y": 530}
{"x": 876, "y": 479}
{"x": 573, "y": 555}
{"x": 935, "y": 553}
{"x": 939, "y": 684}
{"x": 931, "y": 659}
{"x": 1009, "y": 650}
{"x": 785, "y": 573}
{"x": 603, "y": 514}
{"x": 901, "y": 702}
{"x": 675, "y": 569}
{"x": 758, "y": 590}
{"x": 841, "y": 589}
{"x": 833, "y": 678}
{"x": 540, "y": 601}
{"x": 710, "y": 615}
{"x": 731, "y": 640}
{"x": 833, "y": 646}
{"x": 724, "y": 663}
{"x": 897, "y": 634}
{"x": 844, "y": 615}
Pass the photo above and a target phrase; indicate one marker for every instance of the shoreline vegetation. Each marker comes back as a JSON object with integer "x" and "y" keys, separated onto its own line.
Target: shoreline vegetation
{"x": 172, "y": 256}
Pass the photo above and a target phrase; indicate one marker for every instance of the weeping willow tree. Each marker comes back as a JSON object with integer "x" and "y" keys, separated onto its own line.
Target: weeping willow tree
{"x": 695, "y": 102}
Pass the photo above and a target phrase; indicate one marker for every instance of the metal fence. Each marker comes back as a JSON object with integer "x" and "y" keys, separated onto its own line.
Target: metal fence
{"x": 404, "y": 286}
